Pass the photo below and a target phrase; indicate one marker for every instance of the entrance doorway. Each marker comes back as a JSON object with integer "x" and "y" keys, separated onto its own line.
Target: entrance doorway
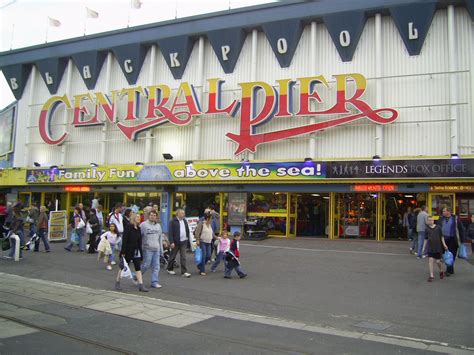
{"x": 395, "y": 208}
{"x": 313, "y": 215}
{"x": 355, "y": 215}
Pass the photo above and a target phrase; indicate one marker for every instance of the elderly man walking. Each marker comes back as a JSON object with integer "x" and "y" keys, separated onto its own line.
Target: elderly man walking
{"x": 179, "y": 237}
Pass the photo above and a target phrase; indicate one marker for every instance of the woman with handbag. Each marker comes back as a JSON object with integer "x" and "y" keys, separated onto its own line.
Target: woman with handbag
{"x": 204, "y": 235}
{"x": 132, "y": 252}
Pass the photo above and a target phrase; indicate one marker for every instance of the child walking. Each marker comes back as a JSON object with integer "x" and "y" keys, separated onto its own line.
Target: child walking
{"x": 111, "y": 236}
{"x": 434, "y": 242}
{"x": 232, "y": 258}
{"x": 223, "y": 244}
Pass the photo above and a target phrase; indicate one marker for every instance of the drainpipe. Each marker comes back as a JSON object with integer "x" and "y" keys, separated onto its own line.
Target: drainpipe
{"x": 197, "y": 125}
{"x": 151, "y": 76}
{"x": 103, "y": 143}
{"x": 68, "y": 93}
{"x": 378, "y": 82}
{"x": 453, "y": 86}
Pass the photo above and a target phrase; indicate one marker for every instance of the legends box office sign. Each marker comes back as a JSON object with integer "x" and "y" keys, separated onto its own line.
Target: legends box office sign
{"x": 258, "y": 172}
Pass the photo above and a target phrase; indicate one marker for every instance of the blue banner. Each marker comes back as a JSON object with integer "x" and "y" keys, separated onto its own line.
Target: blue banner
{"x": 345, "y": 30}
{"x": 52, "y": 70}
{"x": 130, "y": 58}
{"x": 227, "y": 45}
{"x": 89, "y": 65}
{"x": 413, "y": 22}
{"x": 284, "y": 37}
{"x": 176, "y": 52}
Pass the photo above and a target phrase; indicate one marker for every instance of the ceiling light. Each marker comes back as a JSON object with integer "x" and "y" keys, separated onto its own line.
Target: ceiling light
{"x": 308, "y": 159}
{"x": 455, "y": 156}
{"x": 94, "y": 165}
{"x": 376, "y": 157}
{"x": 189, "y": 162}
{"x": 139, "y": 163}
{"x": 36, "y": 164}
{"x": 167, "y": 156}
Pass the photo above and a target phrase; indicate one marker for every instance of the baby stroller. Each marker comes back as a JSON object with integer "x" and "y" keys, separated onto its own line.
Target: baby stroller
{"x": 30, "y": 245}
{"x": 166, "y": 256}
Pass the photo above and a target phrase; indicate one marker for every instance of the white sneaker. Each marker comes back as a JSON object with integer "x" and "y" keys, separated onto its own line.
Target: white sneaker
{"x": 7, "y": 257}
{"x": 108, "y": 267}
{"x": 171, "y": 272}
{"x": 186, "y": 274}
{"x": 156, "y": 286}
{"x": 113, "y": 263}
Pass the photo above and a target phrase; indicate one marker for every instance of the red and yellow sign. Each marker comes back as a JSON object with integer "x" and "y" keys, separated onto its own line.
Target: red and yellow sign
{"x": 277, "y": 101}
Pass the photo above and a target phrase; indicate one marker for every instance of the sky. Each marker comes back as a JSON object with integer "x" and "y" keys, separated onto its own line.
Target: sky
{"x": 26, "y": 23}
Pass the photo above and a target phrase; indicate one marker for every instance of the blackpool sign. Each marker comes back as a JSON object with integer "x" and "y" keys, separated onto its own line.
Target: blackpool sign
{"x": 181, "y": 108}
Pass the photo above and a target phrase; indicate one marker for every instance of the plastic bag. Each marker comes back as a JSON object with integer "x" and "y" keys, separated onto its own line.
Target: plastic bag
{"x": 448, "y": 258}
{"x": 462, "y": 254}
{"x": 75, "y": 238}
{"x": 88, "y": 228}
{"x": 125, "y": 273}
{"x": 5, "y": 243}
{"x": 198, "y": 255}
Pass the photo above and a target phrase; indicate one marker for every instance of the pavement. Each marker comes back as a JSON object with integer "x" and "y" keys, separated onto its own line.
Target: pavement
{"x": 301, "y": 296}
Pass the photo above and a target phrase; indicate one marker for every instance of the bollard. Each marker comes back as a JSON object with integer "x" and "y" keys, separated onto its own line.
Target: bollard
{"x": 17, "y": 246}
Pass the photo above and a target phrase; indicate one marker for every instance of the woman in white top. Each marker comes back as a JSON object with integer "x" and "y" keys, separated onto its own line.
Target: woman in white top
{"x": 204, "y": 236}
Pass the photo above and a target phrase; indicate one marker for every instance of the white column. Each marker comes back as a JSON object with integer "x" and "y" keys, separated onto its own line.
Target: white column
{"x": 70, "y": 66}
{"x": 26, "y": 153}
{"x": 453, "y": 85}
{"x": 151, "y": 78}
{"x": 253, "y": 66}
{"x": 312, "y": 137}
{"x": 197, "y": 123}
{"x": 378, "y": 82}
{"x": 103, "y": 143}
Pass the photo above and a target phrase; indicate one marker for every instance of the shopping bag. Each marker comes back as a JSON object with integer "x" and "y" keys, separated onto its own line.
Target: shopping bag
{"x": 125, "y": 273}
{"x": 198, "y": 255}
{"x": 88, "y": 228}
{"x": 448, "y": 258}
{"x": 75, "y": 238}
{"x": 5, "y": 243}
{"x": 462, "y": 254}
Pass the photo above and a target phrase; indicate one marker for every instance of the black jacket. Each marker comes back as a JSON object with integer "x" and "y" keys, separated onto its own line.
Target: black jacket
{"x": 94, "y": 222}
{"x": 131, "y": 241}
{"x": 174, "y": 232}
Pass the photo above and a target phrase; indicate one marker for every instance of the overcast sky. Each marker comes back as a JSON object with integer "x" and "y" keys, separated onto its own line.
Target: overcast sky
{"x": 25, "y": 23}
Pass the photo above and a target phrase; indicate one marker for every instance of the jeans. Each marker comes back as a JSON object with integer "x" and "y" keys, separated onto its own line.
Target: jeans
{"x": 112, "y": 256}
{"x": 452, "y": 245}
{"x": 206, "y": 252}
{"x": 20, "y": 234}
{"x": 151, "y": 260}
{"x": 82, "y": 242}
{"x": 43, "y": 235}
{"x": 219, "y": 258}
{"x": 421, "y": 242}
{"x": 414, "y": 243}
{"x": 32, "y": 230}
{"x": 409, "y": 233}
{"x": 229, "y": 267}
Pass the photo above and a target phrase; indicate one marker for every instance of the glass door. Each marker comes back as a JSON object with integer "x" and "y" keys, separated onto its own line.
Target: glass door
{"x": 292, "y": 218}
{"x": 436, "y": 203}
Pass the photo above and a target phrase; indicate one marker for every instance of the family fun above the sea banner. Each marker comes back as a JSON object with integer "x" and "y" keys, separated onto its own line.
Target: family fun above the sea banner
{"x": 162, "y": 108}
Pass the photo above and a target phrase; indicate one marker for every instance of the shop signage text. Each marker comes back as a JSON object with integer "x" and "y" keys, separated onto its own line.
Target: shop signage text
{"x": 179, "y": 109}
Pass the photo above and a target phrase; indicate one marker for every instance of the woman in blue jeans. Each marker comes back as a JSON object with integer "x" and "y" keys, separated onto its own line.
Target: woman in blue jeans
{"x": 204, "y": 236}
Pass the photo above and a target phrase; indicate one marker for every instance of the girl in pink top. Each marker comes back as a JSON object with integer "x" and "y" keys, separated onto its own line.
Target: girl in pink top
{"x": 223, "y": 245}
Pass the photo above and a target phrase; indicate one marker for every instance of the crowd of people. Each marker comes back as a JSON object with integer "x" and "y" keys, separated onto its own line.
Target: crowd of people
{"x": 138, "y": 240}
{"x": 431, "y": 240}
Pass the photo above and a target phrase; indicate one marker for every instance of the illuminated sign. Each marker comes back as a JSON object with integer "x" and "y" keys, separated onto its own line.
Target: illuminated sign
{"x": 77, "y": 188}
{"x": 374, "y": 188}
{"x": 260, "y": 102}
{"x": 455, "y": 188}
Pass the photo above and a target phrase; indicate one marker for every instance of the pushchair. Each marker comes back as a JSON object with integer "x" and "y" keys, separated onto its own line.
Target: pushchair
{"x": 30, "y": 245}
{"x": 166, "y": 256}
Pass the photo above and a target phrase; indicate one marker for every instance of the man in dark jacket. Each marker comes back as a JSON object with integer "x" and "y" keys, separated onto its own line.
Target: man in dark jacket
{"x": 96, "y": 229}
{"x": 179, "y": 236}
{"x": 453, "y": 233}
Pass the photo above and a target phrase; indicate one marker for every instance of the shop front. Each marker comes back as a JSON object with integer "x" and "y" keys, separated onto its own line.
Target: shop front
{"x": 336, "y": 200}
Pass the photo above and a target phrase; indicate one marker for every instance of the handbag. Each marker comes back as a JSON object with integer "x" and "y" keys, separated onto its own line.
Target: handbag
{"x": 448, "y": 258}
{"x": 88, "y": 228}
{"x": 198, "y": 255}
{"x": 462, "y": 254}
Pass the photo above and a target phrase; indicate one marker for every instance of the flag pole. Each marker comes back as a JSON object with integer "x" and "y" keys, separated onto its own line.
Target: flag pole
{"x": 47, "y": 30}
{"x": 11, "y": 40}
{"x": 128, "y": 13}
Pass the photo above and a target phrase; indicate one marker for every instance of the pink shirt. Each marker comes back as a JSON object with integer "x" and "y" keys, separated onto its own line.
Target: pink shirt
{"x": 224, "y": 244}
